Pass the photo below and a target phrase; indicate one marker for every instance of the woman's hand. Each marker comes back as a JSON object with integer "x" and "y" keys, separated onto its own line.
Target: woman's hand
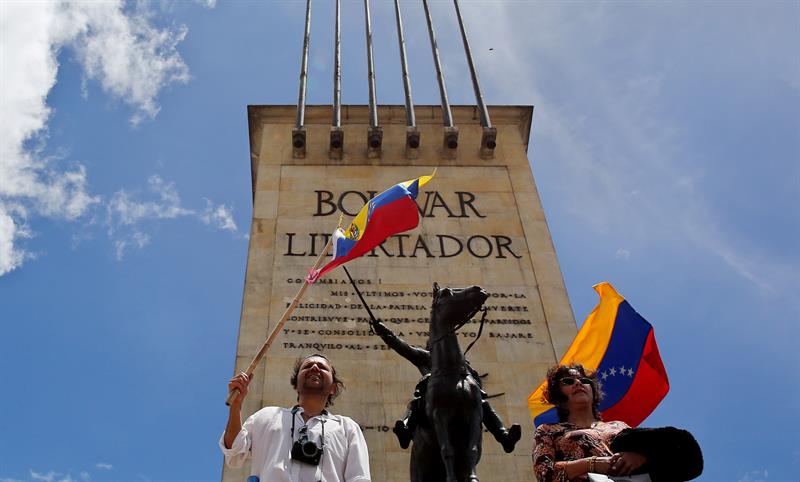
{"x": 625, "y": 463}
{"x": 602, "y": 465}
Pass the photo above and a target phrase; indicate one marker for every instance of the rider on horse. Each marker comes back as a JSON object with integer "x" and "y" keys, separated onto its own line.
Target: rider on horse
{"x": 421, "y": 358}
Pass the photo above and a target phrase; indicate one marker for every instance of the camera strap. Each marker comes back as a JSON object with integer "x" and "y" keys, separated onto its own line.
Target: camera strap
{"x": 318, "y": 474}
{"x": 322, "y": 420}
{"x": 294, "y": 417}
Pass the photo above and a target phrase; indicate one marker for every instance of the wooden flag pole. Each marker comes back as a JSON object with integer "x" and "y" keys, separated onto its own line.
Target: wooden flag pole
{"x": 252, "y": 368}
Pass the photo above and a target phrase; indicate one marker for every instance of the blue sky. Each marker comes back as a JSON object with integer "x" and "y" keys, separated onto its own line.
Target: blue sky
{"x": 665, "y": 146}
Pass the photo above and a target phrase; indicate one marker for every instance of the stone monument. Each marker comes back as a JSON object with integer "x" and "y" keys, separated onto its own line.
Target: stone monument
{"x": 481, "y": 223}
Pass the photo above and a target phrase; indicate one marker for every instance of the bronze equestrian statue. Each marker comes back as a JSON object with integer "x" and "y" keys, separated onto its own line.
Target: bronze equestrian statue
{"x": 444, "y": 418}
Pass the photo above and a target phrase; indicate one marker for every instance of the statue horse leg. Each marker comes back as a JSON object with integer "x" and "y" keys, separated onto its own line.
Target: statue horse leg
{"x": 443, "y": 424}
{"x": 460, "y": 445}
{"x": 425, "y": 463}
{"x": 475, "y": 438}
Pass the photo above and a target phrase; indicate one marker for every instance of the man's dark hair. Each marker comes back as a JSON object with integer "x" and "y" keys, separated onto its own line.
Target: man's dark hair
{"x": 336, "y": 380}
{"x": 553, "y": 392}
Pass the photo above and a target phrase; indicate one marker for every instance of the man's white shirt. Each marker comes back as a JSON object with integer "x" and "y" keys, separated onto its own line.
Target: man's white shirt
{"x": 266, "y": 439}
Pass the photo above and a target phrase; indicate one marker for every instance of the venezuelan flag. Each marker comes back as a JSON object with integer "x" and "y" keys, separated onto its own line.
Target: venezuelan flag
{"x": 617, "y": 343}
{"x": 390, "y": 212}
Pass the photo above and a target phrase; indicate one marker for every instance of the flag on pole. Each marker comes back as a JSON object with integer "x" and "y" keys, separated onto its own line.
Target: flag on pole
{"x": 617, "y": 343}
{"x": 390, "y": 212}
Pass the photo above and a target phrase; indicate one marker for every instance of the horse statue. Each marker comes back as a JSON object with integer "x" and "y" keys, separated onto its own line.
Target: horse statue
{"x": 445, "y": 415}
{"x": 447, "y": 441}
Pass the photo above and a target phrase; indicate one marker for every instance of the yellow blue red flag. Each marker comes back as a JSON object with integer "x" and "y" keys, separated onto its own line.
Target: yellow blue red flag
{"x": 390, "y": 212}
{"x": 617, "y": 343}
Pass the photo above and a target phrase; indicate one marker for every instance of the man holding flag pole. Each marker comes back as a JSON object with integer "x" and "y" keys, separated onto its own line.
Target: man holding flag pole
{"x": 300, "y": 446}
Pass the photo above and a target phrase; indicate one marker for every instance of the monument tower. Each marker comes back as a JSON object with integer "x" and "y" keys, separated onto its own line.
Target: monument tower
{"x": 481, "y": 223}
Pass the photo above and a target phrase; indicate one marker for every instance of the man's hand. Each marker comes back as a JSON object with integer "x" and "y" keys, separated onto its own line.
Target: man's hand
{"x": 626, "y": 463}
{"x": 234, "y": 426}
{"x": 240, "y": 382}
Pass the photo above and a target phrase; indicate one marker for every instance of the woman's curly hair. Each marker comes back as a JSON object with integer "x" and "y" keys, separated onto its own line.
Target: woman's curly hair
{"x": 553, "y": 393}
{"x": 336, "y": 380}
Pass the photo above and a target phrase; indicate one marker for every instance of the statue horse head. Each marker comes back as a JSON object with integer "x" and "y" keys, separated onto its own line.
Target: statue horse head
{"x": 452, "y": 308}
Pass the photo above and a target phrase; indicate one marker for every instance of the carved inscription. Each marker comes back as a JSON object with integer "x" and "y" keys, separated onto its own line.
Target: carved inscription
{"x": 430, "y": 204}
{"x": 341, "y": 315}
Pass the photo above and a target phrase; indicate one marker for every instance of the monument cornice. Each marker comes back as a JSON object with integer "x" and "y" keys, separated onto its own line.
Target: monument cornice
{"x": 426, "y": 115}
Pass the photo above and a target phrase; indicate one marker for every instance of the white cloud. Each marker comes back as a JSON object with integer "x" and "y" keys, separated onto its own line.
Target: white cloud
{"x": 126, "y": 216}
{"x": 219, "y": 216}
{"x": 122, "y": 210}
{"x": 132, "y": 61}
{"x": 755, "y": 476}
{"x": 136, "y": 240}
{"x": 53, "y": 476}
{"x": 63, "y": 195}
{"x": 12, "y": 229}
{"x": 48, "y": 477}
{"x": 623, "y": 253}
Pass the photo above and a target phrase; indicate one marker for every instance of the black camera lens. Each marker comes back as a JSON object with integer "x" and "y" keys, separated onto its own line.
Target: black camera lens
{"x": 305, "y": 450}
{"x": 310, "y": 449}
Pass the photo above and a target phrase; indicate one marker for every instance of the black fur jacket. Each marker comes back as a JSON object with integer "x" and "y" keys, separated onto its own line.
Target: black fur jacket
{"x": 673, "y": 455}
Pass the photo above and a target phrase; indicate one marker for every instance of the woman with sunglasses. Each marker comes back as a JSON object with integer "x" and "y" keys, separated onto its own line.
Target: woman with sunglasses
{"x": 579, "y": 443}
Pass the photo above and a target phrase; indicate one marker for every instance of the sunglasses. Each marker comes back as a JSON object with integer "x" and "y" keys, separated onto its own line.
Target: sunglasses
{"x": 569, "y": 381}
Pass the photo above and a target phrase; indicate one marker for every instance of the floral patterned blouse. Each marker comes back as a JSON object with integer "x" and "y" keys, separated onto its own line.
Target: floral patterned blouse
{"x": 555, "y": 444}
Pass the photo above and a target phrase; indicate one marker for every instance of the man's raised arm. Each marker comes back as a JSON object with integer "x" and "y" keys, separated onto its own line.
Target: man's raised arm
{"x": 234, "y": 426}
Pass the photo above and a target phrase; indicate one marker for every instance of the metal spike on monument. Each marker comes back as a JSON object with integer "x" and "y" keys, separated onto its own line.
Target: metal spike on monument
{"x": 412, "y": 132}
{"x": 489, "y": 135}
{"x": 336, "y": 148}
{"x": 299, "y": 132}
{"x": 450, "y": 137}
{"x": 375, "y": 134}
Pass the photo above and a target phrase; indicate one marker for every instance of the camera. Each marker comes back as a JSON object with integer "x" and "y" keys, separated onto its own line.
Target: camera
{"x": 306, "y": 451}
